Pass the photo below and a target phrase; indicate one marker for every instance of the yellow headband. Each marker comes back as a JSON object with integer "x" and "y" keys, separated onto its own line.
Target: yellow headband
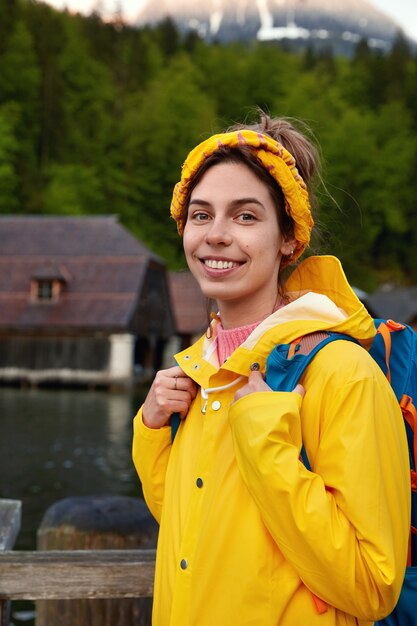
{"x": 274, "y": 158}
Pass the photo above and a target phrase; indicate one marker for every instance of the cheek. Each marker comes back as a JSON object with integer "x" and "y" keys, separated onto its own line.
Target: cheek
{"x": 275, "y": 239}
{"x": 269, "y": 242}
{"x": 187, "y": 243}
{"x": 270, "y": 251}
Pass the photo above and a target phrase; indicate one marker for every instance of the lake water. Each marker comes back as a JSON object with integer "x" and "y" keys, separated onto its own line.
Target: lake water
{"x": 59, "y": 443}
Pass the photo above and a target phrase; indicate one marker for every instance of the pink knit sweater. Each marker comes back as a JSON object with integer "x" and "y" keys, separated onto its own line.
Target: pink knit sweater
{"x": 229, "y": 340}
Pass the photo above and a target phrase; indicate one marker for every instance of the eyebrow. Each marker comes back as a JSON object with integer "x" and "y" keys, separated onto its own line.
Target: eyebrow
{"x": 235, "y": 203}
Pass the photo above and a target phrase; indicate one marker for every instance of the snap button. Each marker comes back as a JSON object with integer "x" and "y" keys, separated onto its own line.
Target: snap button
{"x": 254, "y": 367}
{"x": 199, "y": 482}
{"x": 215, "y": 405}
{"x": 196, "y": 367}
{"x": 183, "y": 564}
{"x": 187, "y": 357}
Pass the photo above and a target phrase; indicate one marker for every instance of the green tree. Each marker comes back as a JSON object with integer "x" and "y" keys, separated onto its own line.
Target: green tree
{"x": 141, "y": 59}
{"x": 168, "y": 37}
{"x": 268, "y": 71}
{"x": 363, "y": 83}
{"x": 75, "y": 188}
{"x": 370, "y": 174}
{"x": 411, "y": 95}
{"x": 347, "y": 215}
{"x": 87, "y": 100}
{"x": 9, "y": 10}
{"x": 397, "y": 65}
{"x": 20, "y": 84}
{"x": 223, "y": 75}
{"x": 312, "y": 96}
{"x": 309, "y": 59}
{"x": 46, "y": 26}
{"x": 8, "y": 150}
{"x": 160, "y": 126}
{"x": 20, "y": 77}
{"x": 394, "y": 196}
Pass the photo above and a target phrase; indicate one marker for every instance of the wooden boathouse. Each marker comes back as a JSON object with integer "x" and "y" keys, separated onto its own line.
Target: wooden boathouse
{"x": 82, "y": 301}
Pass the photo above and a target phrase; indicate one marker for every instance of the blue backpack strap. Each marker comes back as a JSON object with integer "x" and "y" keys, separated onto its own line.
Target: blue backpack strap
{"x": 283, "y": 371}
{"x": 304, "y": 458}
{"x": 175, "y": 424}
{"x": 398, "y": 356}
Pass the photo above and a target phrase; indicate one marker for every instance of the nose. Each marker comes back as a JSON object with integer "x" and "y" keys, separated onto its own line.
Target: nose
{"x": 219, "y": 233}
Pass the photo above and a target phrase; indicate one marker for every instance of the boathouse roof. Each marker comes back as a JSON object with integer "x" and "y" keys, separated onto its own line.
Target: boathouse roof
{"x": 73, "y": 273}
{"x": 189, "y": 305}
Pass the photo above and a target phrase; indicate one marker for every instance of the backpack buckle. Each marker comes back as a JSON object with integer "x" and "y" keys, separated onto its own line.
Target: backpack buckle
{"x": 394, "y": 325}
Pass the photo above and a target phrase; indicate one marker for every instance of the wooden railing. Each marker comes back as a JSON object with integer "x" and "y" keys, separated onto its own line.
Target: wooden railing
{"x": 64, "y": 575}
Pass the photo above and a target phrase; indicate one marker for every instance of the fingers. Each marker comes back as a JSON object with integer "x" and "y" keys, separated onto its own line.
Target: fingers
{"x": 255, "y": 383}
{"x": 183, "y": 384}
{"x": 176, "y": 379}
{"x": 178, "y": 402}
{"x": 172, "y": 391}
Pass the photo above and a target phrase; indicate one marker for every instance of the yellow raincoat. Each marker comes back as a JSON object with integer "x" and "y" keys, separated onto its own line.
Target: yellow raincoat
{"x": 247, "y": 533}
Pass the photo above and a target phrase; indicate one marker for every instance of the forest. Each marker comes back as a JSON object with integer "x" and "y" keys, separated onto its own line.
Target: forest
{"x": 96, "y": 118}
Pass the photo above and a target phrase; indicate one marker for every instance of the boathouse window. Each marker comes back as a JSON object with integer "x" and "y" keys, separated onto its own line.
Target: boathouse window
{"x": 44, "y": 290}
{"x": 47, "y": 283}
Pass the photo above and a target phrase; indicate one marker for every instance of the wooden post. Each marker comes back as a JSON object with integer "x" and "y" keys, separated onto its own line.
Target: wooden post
{"x": 10, "y": 520}
{"x": 96, "y": 523}
{"x": 4, "y": 612}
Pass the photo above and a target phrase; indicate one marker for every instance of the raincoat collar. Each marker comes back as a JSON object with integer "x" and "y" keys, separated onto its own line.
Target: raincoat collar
{"x": 320, "y": 299}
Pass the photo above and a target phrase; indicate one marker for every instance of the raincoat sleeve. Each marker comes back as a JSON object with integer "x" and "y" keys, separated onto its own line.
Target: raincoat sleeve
{"x": 344, "y": 525}
{"x": 151, "y": 450}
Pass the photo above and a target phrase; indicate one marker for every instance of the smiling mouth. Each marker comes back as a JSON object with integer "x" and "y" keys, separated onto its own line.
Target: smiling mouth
{"x": 220, "y": 265}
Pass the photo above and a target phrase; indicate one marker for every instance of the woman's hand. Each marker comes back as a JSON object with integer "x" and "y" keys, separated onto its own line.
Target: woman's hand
{"x": 256, "y": 383}
{"x": 172, "y": 391}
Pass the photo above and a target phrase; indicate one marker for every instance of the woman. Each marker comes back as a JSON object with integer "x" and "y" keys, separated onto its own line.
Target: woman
{"x": 248, "y": 534}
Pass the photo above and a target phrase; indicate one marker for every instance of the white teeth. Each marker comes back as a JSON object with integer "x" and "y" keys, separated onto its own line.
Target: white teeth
{"x": 219, "y": 265}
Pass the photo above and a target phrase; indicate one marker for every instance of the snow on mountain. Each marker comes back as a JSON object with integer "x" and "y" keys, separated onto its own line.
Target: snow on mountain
{"x": 319, "y": 22}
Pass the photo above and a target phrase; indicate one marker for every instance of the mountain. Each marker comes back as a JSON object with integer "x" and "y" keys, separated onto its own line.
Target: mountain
{"x": 320, "y": 23}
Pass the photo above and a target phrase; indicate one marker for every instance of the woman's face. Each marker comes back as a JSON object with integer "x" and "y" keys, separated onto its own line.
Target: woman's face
{"x": 232, "y": 241}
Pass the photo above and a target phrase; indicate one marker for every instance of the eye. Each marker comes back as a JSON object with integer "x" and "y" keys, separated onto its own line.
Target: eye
{"x": 246, "y": 217}
{"x": 200, "y": 216}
